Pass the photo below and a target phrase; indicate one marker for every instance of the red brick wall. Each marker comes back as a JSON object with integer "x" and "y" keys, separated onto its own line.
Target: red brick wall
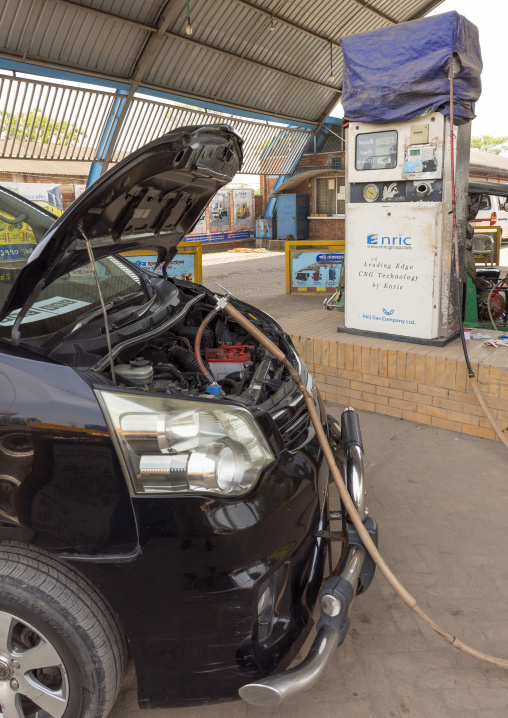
{"x": 315, "y": 162}
{"x": 267, "y": 185}
{"x": 326, "y": 229}
{"x": 304, "y": 187}
{"x": 258, "y": 209}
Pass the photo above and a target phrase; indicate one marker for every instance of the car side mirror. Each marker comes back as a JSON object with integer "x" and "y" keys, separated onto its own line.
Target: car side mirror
{"x": 505, "y": 206}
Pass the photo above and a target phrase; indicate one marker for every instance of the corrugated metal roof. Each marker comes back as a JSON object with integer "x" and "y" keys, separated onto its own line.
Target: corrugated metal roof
{"x": 233, "y": 58}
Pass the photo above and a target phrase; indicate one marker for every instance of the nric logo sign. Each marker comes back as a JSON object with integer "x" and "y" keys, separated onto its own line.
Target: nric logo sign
{"x": 399, "y": 241}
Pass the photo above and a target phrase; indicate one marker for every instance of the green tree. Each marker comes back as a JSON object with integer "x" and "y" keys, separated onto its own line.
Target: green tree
{"x": 25, "y": 128}
{"x": 259, "y": 149}
{"x": 488, "y": 143}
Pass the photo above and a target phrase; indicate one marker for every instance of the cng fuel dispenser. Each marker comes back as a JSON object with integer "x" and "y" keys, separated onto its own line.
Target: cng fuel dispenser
{"x": 400, "y": 277}
{"x": 399, "y": 258}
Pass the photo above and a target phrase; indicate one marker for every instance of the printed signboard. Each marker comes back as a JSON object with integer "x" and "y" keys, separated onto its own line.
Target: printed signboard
{"x": 243, "y": 208}
{"x": 220, "y": 220}
{"x": 392, "y": 269}
{"x": 186, "y": 264}
{"x": 222, "y": 237}
{"x": 200, "y": 227}
{"x": 313, "y": 266}
{"x": 17, "y": 239}
{"x": 48, "y": 196}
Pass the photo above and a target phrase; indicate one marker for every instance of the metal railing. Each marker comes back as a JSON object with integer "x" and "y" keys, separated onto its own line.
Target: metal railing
{"x": 45, "y": 121}
{"x": 48, "y": 121}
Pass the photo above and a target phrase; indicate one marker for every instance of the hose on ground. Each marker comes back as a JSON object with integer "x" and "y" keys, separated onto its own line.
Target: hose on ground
{"x": 347, "y": 502}
{"x": 487, "y": 411}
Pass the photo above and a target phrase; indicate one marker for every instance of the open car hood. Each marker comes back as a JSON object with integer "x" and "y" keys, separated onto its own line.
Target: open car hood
{"x": 149, "y": 200}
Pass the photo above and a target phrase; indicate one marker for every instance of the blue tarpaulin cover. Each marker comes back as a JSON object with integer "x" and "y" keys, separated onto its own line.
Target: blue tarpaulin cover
{"x": 401, "y": 72}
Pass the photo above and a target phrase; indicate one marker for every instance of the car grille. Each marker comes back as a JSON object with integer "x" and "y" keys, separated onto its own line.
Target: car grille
{"x": 296, "y": 432}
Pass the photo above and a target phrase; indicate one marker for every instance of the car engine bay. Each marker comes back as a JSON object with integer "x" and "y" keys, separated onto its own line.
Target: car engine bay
{"x": 168, "y": 363}
{"x": 161, "y": 359}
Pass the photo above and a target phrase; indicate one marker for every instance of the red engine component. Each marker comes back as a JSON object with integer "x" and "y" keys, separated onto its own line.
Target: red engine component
{"x": 235, "y": 353}
{"x": 497, "y": 306}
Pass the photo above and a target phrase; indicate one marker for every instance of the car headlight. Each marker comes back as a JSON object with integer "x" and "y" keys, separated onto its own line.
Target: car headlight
{"x": 179, "y": 446}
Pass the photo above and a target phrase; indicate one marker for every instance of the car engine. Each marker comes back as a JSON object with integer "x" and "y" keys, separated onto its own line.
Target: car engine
{"x": 167, "y": 363}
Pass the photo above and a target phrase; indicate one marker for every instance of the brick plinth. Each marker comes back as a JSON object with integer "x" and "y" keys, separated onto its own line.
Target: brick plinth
{"x": 407, "y": 384}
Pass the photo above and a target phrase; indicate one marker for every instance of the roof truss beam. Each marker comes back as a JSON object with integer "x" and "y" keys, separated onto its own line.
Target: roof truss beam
{"x": 375, "y": 11}
{"x": 289, "y": 23}
{"x": 154, "y": 30}
{"x": 318, "y": 36}
{"x": 242, "y": 58}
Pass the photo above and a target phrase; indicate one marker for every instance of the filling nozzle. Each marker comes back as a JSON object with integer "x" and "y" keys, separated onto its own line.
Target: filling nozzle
{"x": 222, "y": 300}
{"x": 213, "y": 387}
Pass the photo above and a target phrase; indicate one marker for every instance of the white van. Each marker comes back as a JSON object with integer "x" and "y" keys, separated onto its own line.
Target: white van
{"x": 493, "y": 211}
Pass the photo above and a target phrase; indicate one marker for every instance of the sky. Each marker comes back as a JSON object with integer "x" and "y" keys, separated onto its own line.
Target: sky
{"x": 491, "y": 19}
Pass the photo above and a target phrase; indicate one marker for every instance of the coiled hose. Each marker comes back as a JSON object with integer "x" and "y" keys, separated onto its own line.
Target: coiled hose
{"x": 347, "y": 502}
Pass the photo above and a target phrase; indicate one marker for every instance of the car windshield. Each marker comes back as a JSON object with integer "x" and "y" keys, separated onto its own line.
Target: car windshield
{"x": 59, "y": 304}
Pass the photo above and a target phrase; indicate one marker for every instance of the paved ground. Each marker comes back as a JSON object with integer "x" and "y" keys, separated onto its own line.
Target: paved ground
{"x": 440, "y": 499}
{"x": 258, "y": 279}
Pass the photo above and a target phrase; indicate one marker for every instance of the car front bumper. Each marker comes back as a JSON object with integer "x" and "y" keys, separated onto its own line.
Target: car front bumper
{"x": 354, "y": 575}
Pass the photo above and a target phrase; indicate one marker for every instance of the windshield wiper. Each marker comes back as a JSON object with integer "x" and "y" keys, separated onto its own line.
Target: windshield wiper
{"x": 88, "y": 317}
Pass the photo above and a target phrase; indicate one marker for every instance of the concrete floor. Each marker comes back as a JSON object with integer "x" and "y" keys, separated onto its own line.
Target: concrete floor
{"x": 440, "y": 500}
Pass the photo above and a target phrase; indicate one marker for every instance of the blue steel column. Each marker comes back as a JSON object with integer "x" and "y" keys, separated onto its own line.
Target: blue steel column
{"x": 106, "y": 136}
{"x": 270, "y": 207}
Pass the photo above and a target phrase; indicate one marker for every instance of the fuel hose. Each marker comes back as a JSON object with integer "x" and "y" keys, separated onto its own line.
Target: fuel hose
{"x": 347, "y": 502}
{"x": 453, "y": 69}
{"x": 493, "y": 292}
{"x": 197, "y": 344}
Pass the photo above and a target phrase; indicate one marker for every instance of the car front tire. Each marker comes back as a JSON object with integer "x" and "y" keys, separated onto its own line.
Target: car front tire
{"x": 62, "y": 653}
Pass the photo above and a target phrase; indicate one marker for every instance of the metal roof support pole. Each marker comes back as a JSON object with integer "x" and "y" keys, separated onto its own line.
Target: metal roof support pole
{"x": 106, "y": 136}
{"x": 142, "y": 62}
{"x": 272, "y": 202}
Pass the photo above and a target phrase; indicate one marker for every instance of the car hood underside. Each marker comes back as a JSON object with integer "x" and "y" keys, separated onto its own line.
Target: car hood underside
{"x": 151, "y": 199}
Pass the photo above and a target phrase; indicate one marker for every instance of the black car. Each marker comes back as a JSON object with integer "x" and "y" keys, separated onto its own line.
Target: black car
{"x": 148, "y": 509}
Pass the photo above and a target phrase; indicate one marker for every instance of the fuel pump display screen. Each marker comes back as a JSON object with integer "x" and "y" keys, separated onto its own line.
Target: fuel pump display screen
{"x": 376, "y": 150}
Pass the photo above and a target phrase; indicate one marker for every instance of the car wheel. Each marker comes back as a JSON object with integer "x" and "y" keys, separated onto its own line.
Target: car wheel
{"x": 62, "y": 653}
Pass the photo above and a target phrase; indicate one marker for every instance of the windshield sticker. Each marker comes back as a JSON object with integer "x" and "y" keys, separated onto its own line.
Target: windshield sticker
{"x": 45, "y": 310}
